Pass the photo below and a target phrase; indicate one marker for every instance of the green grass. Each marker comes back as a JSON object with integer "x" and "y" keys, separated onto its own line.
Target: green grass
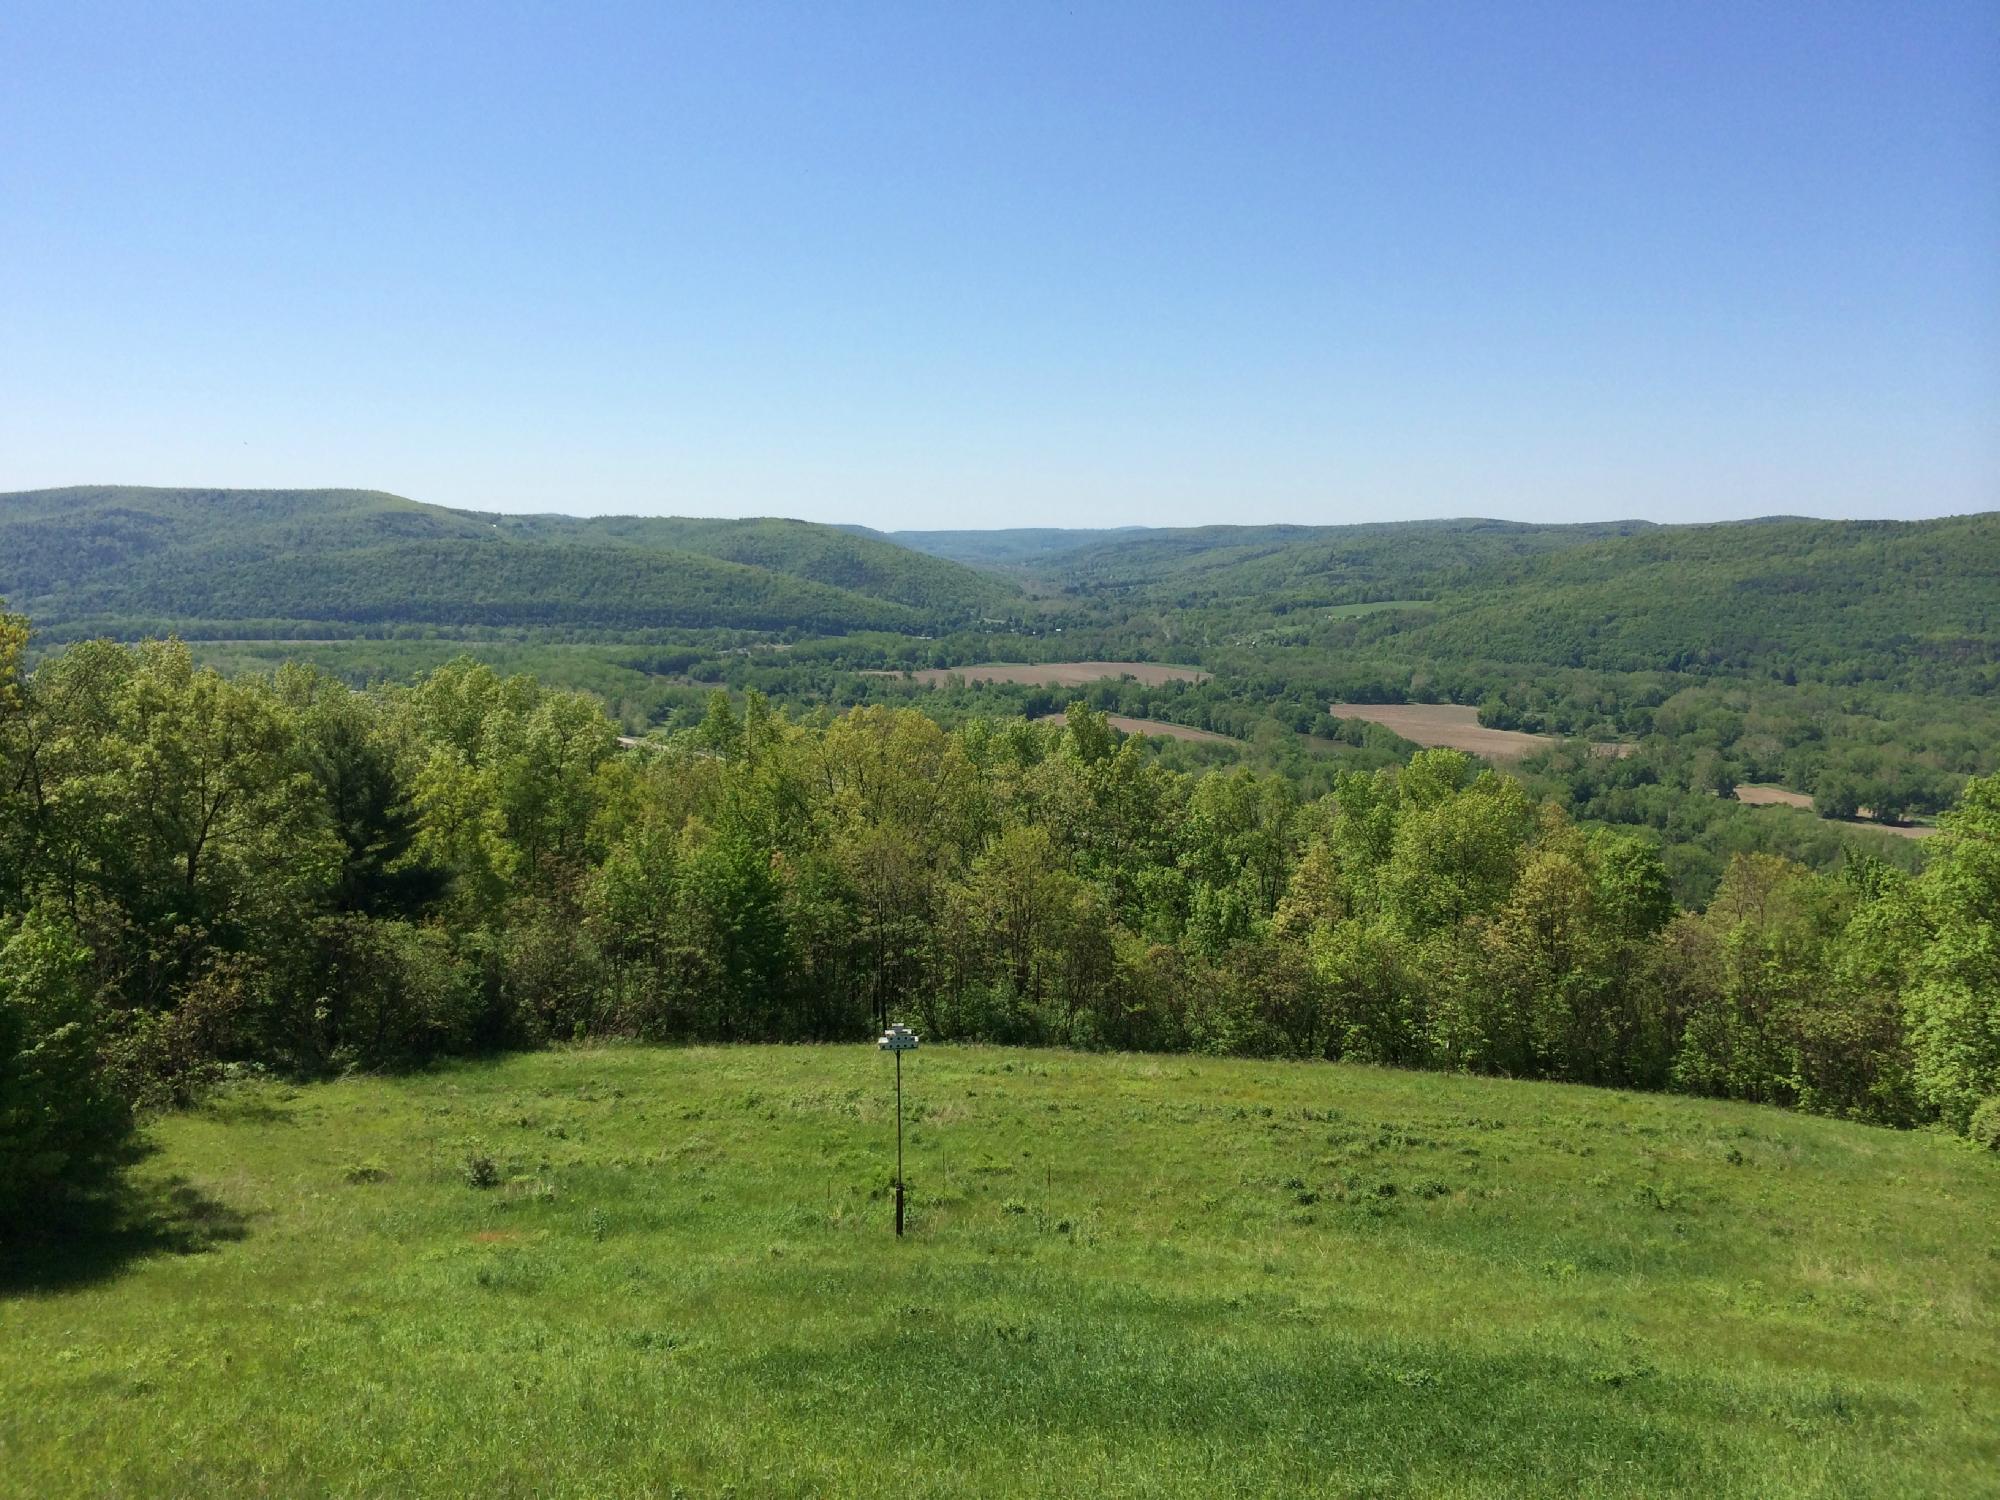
{"x": 1124, "y": 1275}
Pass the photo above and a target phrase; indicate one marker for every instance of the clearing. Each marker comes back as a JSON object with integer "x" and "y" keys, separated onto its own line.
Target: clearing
{"x": 1448, "y": 724}
{"x": 1056, "y": 673}
{"x": 1752, "y": 794}
{"x": 1164, "y": 728}
{"x": 1124, "y": 1275}
{"x": 1771, "y": 796}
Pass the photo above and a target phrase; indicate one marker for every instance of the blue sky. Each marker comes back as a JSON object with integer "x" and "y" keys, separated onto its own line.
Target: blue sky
{"x": 967, "y": 265}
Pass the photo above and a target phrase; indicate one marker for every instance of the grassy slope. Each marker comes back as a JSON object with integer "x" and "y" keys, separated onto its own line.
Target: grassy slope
{"x": 1125, "y": 1275}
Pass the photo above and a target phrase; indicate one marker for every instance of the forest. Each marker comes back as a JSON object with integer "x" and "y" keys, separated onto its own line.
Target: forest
{"x": 205, "y": 875}
{"x": 1855, "y": 664}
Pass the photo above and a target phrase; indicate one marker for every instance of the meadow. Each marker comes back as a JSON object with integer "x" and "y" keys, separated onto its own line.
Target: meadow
{"x": 623, "y": 1270}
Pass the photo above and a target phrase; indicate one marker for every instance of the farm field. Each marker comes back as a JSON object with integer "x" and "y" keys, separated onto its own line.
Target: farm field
{"x": 1164, "y": 728}
{"x": 1124, "y": 1275}
{"x": 1449, "y": 724}
{"x": 1057, "y": 673}
{"x": 1771, "y": 796}
{"x": 1753, "y": 795}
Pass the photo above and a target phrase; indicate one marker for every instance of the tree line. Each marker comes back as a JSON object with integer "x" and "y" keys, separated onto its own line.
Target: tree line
{"x": 200, "y": 873}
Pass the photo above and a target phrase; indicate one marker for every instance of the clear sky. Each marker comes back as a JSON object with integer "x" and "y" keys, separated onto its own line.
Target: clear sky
{"x": 950, "y": 264}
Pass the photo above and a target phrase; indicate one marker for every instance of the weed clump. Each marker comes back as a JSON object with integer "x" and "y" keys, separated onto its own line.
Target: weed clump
{"x": 479, "y": 1169}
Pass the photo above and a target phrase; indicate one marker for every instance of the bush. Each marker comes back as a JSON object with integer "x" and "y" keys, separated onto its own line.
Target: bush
{"x": 169, "y": 1059}
{"x": 64, "y": 1128}
{"x": 395, "y": 994}
{"x": 1985, "y": 1127}
{"x": 479, "y": 1169}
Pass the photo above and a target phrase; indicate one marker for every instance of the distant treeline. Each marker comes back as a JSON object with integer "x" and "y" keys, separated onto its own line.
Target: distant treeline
{"x": 199, "y": 873}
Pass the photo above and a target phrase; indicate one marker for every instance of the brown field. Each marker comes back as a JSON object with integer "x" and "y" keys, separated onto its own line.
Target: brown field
{"x": 1448, "y": 724}
{"x": 1158, "y": 727}
{"x": 1768, "y": 796}
{"x": 1057, "y": 673}
{"x": 1775, "y": 796}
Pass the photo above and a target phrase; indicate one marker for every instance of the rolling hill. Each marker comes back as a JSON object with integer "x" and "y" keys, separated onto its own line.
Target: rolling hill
{"x": 1912, "y": 603}
{"x": 1189, "y": 566}
{"x": 105, "y": 558}
{"x": 1839, "y": 601}
{"x": 1167, "y": 1276}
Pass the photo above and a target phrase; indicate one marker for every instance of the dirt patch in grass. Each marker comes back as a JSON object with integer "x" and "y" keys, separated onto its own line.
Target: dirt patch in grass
{"x": 1057, "y": 673}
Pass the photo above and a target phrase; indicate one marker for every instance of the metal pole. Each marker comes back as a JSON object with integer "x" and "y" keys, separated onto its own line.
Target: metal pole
{"x": 899, "y": 1144}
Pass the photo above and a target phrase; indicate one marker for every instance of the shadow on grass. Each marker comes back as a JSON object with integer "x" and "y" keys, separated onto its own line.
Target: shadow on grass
{"x": 97, "y": 1239}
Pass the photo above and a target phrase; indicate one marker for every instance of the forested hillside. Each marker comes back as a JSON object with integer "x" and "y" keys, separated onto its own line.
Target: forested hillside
{"x": 1914, "y": 603}
{"x": 1285, "y": 566}
{"x": 1022, "y": 548}
{"x": 125, "y": 560}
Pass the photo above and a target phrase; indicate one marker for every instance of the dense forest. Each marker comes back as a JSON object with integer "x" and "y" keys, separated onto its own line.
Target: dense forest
{"x": 201, "y": 873}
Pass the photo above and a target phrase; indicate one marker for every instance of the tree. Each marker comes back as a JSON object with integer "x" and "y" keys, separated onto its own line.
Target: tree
{"x": 63, "y": 1126}
{"x": 1953, "y": 1007}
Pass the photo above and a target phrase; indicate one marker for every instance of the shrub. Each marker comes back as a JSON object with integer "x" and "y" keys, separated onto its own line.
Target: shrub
{"x": 64, "y": 1128}
{"x": 480, "y": 1169}
{"x": 1985, "y": 1127}
{"x": 395, "y": 993}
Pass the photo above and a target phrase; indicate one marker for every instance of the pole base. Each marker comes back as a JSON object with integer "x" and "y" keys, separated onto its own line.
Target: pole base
{"x": 899, "y": 1210}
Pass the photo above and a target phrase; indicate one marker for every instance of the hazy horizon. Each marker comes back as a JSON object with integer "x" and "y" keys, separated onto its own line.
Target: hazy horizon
{"x": 1012, "y": 267}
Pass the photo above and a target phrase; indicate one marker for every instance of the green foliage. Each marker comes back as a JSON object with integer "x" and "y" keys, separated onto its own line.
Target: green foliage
{"x": 1953, "y": 998}
{"x": 63, "y": 1128}
{"x": 1985, "y": 1127}
{"x": 286, "y": 872}
{"x": 97, "y": 556}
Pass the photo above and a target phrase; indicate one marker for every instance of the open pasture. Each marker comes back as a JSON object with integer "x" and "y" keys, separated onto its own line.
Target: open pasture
{"x": 627, "y": 1271}
{"x": 1057, "y": 673}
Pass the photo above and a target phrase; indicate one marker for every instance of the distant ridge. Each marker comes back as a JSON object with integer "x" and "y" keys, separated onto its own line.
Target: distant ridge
{"x": 92, "y": 556}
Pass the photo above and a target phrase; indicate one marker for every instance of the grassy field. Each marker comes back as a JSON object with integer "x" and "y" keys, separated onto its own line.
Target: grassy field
{"x": 1124, "y": 1275}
